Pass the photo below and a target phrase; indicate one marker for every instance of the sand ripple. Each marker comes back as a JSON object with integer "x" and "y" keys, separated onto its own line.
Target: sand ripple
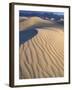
{"x": 43, "y": 55}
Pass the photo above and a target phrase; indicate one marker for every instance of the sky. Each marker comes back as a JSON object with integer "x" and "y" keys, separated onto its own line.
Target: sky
{"x": 59, "y": 13}
{"x": 36, "y": 13}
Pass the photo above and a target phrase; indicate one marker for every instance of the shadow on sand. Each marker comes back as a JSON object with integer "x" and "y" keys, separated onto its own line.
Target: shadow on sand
{"x": 30, "y": 32}
{"x": 27, "y": 35}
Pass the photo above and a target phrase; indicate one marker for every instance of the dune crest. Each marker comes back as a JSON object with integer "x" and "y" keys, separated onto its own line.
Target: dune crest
{"x": 34, "y": 21}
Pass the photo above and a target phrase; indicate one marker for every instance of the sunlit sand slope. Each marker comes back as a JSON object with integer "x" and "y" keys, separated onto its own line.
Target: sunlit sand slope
{"x": 43, "y": 55}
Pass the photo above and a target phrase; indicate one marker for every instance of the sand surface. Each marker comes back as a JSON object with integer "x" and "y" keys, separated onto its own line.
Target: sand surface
{"x": 42, "y": 56}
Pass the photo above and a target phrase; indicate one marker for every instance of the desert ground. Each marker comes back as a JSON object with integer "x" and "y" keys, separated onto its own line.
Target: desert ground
{"x": 41, "y": 48}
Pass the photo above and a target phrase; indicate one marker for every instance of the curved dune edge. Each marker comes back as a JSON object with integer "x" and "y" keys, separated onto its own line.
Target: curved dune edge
{"x": 34, "y": 21}
{"x": 43, "y": 55}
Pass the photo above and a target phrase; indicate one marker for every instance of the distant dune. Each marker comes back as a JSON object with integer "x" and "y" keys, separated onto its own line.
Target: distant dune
{"x": 21, "y": 19}
{"x": 43, "y": 55}
{"x": 36, "y": 22}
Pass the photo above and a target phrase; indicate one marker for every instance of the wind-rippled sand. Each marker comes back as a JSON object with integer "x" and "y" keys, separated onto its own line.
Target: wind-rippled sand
{"x": 43, "y": 55}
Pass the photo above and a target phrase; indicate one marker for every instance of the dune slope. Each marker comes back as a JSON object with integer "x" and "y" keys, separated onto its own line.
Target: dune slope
{"x": 35, "y": 22}
{"x": 43, "y": 55}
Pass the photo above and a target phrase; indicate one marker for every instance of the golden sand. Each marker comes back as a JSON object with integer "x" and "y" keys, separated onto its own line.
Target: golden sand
{"x": 43, "y": 55}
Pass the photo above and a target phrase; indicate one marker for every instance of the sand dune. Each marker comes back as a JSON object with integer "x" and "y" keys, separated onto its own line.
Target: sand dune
{"x": 43, "y": 55}
{"x": 22, "y": 19}
{"x": 35, "y": 22}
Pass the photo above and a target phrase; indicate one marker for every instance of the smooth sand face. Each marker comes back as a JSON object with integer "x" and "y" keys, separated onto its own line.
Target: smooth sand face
{"x": 43, "y": 55}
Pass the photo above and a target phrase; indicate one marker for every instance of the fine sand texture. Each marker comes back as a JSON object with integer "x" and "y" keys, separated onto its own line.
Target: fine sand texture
{"x": 41, "y": 56}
